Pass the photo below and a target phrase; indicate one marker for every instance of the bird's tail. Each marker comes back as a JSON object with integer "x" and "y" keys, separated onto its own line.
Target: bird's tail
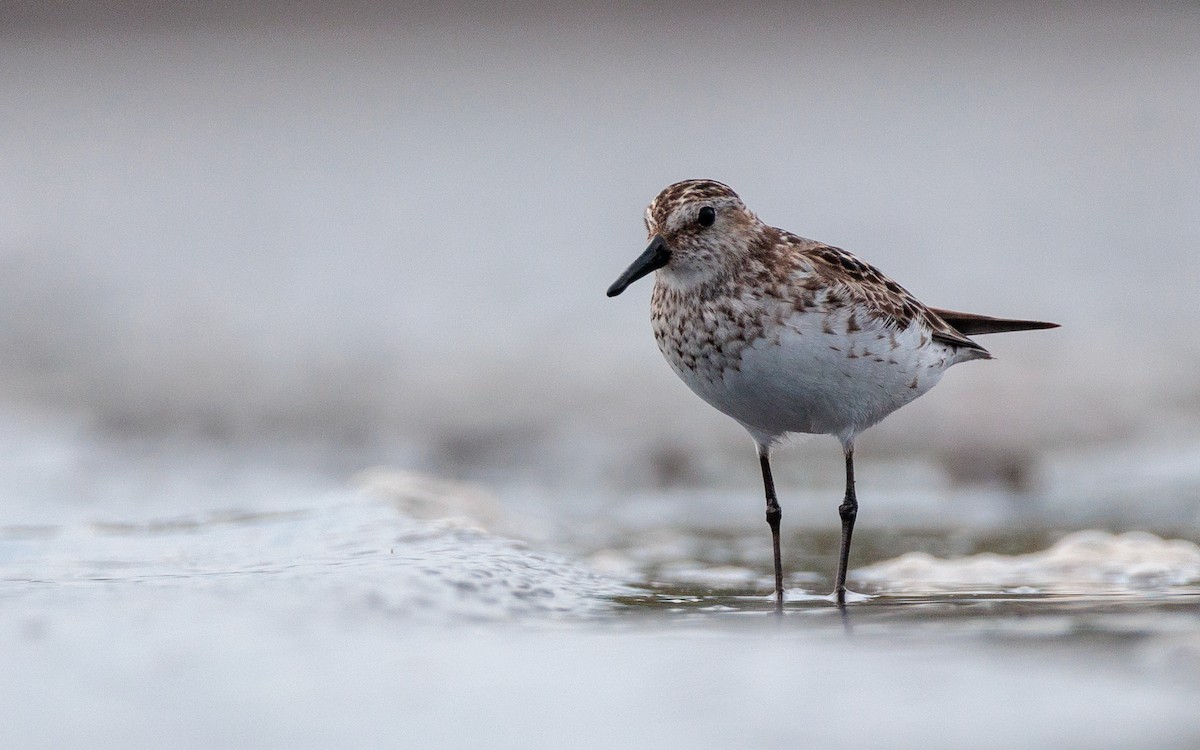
{"x": 970, "y": 324}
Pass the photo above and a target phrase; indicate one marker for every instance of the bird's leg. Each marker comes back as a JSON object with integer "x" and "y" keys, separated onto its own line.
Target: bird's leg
{"x": 848, "y": 511}
{"x": 774, "y": 513}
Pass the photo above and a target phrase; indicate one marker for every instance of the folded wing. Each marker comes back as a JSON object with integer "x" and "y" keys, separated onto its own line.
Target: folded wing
{"x": 970, "y": 324}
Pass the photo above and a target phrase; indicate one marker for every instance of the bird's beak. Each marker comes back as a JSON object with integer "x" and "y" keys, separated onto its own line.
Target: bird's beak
{"x": 655, "y": 257}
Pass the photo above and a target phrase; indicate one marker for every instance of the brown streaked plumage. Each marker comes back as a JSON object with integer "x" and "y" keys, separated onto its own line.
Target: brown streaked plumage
{"x": 789, "y": 335}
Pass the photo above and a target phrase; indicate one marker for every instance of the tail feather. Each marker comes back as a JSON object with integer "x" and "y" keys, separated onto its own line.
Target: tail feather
{"x": 970, "y": 324}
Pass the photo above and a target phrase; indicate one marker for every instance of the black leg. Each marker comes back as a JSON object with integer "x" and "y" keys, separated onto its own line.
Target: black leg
{"x": 848, "y": 512}
{"x": 774, "y": 513}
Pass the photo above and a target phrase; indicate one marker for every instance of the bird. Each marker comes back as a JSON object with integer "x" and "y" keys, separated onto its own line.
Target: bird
{"x": 788, "y": 335}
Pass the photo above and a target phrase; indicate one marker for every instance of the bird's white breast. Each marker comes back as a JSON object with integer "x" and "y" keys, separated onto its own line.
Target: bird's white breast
{"x": 823, "y": 370}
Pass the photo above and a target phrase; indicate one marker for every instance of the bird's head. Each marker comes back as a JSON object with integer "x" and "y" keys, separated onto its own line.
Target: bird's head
{"x": 698, "y": 230}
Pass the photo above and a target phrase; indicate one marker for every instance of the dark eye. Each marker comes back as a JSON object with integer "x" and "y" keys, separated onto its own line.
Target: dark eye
{"x": 707, "y": 216}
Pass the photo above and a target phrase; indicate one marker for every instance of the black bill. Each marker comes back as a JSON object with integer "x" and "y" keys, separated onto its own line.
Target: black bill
{"x": 655, "y": 257}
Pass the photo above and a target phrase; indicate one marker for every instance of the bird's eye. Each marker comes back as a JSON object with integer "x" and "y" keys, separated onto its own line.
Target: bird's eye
{"x": 707, "y": 216}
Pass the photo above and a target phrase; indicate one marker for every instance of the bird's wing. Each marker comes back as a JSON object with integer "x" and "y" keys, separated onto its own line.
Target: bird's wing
{"x": 885, "y": 299}
{"x": 970, "y": 324}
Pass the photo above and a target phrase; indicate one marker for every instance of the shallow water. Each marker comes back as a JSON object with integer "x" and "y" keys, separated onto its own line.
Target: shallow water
{"x": 349, "y": 620}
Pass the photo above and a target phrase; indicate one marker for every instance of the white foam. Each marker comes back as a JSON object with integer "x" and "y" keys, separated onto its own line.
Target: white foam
{"x": 431, "y": 498}
{"x": 1134, "y": 560}
{"x": 352, "y": 559}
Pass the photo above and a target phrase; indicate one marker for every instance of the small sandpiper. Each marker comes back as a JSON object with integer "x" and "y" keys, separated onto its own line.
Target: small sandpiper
{"x": 789, "y": 335}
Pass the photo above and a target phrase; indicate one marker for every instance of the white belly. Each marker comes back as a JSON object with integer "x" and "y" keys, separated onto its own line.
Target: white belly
{"x": 801, "y": 377}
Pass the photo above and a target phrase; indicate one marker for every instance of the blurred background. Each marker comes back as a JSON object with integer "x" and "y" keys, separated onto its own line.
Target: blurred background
{"x": 247, "y": 245}
{"x": 256, "y": 258}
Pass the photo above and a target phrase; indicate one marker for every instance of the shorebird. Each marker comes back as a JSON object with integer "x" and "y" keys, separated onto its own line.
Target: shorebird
{"x": 789, "y": 335}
